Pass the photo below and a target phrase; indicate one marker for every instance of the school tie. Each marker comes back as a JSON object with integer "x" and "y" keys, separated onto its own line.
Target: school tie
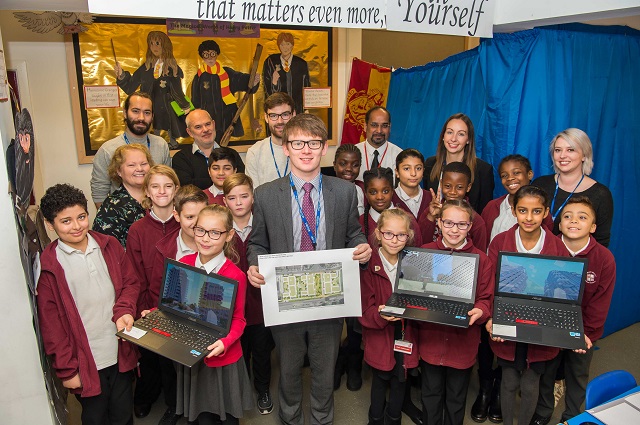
{"x": 307, "y": 210}
{"x": 375, "y": 163}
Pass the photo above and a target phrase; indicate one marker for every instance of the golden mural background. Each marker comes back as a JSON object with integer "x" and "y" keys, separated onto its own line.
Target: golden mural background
{"x": 94, "y": 65}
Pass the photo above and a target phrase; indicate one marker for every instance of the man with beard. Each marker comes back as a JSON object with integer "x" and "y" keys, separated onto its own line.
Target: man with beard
{"x": 377, "y": 151}
{"x": 191, "y": 162}
{"x": 138, "y": 116}
{"x": 266, "y": 160}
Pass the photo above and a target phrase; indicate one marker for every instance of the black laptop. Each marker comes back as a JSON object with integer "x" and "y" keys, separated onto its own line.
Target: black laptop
{"x": 195, "y": 309}
{"x": 434, "y": 286}
{"x": 538, "y": 299}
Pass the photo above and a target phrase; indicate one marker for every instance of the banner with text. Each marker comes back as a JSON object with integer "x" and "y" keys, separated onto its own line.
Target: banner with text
{"x": 469, "y": 18}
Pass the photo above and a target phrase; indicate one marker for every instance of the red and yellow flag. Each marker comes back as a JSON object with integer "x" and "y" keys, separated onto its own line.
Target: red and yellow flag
{"x": 368, "y": 87}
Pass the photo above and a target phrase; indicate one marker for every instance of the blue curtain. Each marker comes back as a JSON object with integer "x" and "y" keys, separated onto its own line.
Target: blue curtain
{"x": 520, "y": 90}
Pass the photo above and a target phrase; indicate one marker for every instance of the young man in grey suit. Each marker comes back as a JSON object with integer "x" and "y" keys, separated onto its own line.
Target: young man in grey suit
{"x": 302, "y": 212}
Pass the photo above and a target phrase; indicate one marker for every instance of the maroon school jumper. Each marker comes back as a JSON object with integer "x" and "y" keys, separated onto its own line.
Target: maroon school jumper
{"x": 506, "y": 241}
{"x": 477, "y": 233}
{"x": 141, "y": 242}
{"x": 417, "y": 233}
{"x": 63, "y": 333}
{"x": 167, "y": 247}
{"x": 214, "y": 199}
{"x": 492, "y": 211}
{"x": 424, "y": 204}
{"x": 378, "y": 333}
{"x": 450, "y": 346}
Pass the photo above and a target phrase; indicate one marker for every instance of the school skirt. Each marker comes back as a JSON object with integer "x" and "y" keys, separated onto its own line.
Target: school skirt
{"x": 218, "y": 390}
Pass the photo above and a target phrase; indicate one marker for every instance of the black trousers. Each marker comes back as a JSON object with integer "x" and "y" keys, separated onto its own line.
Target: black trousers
{"x": 114, "y": 405}
{"x": 485, "y": 359}
{"x": 380, "y": 381}
{"x": 156, "y": 373}
{"x": 444, "y": 394}
{"x": 257, "y": 344}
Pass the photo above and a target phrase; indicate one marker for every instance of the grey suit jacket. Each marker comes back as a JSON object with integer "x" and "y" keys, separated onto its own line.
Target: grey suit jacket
{"x": 272, "y": 230}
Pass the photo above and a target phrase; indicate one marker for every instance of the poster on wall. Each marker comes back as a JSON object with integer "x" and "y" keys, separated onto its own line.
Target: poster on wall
{"x": 178, "y": 66}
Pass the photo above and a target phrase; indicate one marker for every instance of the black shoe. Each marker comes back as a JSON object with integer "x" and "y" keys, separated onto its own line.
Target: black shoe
{"x": 480, "y": 408}
{"x": 341, "y": 364}
{"x": 539, "y": 420}
{"x": 141, "y": 410}
{"x": 375, "y": 421}
{"x": 265, "y": 404}
{"x": 169, "y": 417}
{"x": 412, "y": 411}
{"x": 354, "y": 371}
{"x": 388, "y": 420}
{"x": 495, "y": 407}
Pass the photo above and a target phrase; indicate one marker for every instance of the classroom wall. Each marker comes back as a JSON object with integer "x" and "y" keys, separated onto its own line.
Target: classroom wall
{"x": 23, "y": 397}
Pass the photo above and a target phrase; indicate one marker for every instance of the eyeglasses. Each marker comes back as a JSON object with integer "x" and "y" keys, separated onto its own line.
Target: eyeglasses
{"x": 286, "y": 116}
{"x": 376, "y": 125}
{"x": 299, "y": 144}
{"x": 209, "y": 54}
{"x": 402, "y": 237}
{"x": 213, "y": 234}
{"x": 462, "y": 225}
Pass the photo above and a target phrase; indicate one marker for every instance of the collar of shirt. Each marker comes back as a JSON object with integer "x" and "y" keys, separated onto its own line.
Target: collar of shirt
{"x": 91, "y": 245}
{"x": 375, "y": 215}
{"x": 458, "y": 248}
{"x": 406, "y": 198}
{"x": 371, "y": 148}
{"x": 388, "y": 267}
{"x": 244, "y": 232}
{"x": 215, "y": 191}
{"x": 195, "y": 148}
{"x": 155, "y": 217}
{"x": 298, "y": 182}
{"x": 574, "y": 253}
{"x": 213, "y": 265}
{"x": 537, "y": 249}
{"x": 183, "y": 249}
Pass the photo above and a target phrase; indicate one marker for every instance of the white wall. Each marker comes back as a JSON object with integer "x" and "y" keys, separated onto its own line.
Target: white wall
{"x": 23, "y": 398}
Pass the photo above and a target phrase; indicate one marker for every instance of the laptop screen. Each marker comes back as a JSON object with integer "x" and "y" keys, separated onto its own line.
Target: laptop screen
{"x": 538, "y": 276}
{"x": 192, "y": 293}
{"x": 438, "y": 274}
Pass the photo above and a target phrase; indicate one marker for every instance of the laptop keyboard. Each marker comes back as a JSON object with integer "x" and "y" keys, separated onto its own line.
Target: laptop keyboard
{"x": 536, "y": 315}
{"x": 179, "y": 332}
{"x": 454, "y": 309}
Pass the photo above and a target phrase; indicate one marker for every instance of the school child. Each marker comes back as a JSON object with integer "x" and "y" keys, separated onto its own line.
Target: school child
{"x": 87, "y": 291}
{"x": 522, "y": 364}
{"x": 448, "y": 353}
{"x": 217, "y": 389}
{"x": 159, "y": 187}
{"x": 409, "y": 196}
{"x": 378, "y": 191}
{"x": 257, "y": 342}
{"x": 454, "y": 185}
{"x": 577, "y": 224}
{"x": 347, "y": 164}
{"x": 222, "y": 163}
{"x": 379, "y": 332}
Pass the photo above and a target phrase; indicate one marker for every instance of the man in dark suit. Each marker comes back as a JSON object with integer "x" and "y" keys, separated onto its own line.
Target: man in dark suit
{"x": 323, "y": 215}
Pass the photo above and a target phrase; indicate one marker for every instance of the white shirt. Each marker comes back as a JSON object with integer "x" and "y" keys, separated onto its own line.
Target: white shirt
{"x": 215, "y": 191}
{"x": 183, "y": 249}
{"x": 390, "y": 269}
{"x": 387, "y": 154}
{"x": 505, "y": 220}
{"x": 360, "y": 195}
{"x": 259, "y": 162}
{"x": 155, "y": 217}
{"x": 412, "y": 203}
{"x": 536, "y": 249}
{"x": 244, "y": 233}
{"x": 464, "y": 243}
{"x": 213, "y": 265}
{"x": 573, "y": 254}
{"x": 375, "y": 215}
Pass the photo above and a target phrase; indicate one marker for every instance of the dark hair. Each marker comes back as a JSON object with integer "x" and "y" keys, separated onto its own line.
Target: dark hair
{"x": 305, "y": 123}
{"x": 457, "y": 167}
{"x": 523, "y": 160}
{"x": 469, "y": 150}
{"x": 408, "y": 153}
{"x": 59, "y": 197}
{"x": 376, "y": 108}
{"x": 24, "y": 125}
{"x": 533, "y": 191}
{"x": 382, "y": 173}
{"x": 189, "y": 193}
{"x": 142, "y": 94}
{"x": 277, "y": 99}
{"x": 582, "y": 200}
{"x": 222, "y": 153}
{"x": 207, "y": 45}
{"x": 347, "y": 148}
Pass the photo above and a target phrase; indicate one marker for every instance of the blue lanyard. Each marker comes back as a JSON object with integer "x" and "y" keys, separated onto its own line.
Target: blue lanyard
{"x": 126, "y": 140}
{"x": 553, "y": 201}
{"x": 314, "y": 241}
{"x": 274, "y": 160}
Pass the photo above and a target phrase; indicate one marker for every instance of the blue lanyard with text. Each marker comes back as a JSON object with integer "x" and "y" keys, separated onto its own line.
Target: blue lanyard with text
{"x": 126, "y": 140}
{"x": 553, "y": 201}
{"x": 314, "y": 241}
{"x": 274, "y": 160}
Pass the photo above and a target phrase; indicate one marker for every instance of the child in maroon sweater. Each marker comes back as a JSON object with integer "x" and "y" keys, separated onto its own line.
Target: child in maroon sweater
{"x": 408, "y": 195}
{"x": 222, "y": 163}
{"x": 448, "y": 353}
{"x": 577, "y": 224}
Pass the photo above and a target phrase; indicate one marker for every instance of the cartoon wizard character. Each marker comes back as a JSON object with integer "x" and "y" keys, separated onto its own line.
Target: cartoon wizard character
{"x": 160, "y": 76}
{"x": 285, "y": 72}
{"x": 213, "y": 87}
{"x": 24, "y": 157}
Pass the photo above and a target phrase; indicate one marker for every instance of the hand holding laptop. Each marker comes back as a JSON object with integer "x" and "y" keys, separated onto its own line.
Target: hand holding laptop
{"x": 489, "y": 327}
{"x": 216, "y": 349}
{"x": 124, "y": 322}
{"x": 474, "y": 315}
{"x": 588, "y": 343}
{"x": 385, "y": 317}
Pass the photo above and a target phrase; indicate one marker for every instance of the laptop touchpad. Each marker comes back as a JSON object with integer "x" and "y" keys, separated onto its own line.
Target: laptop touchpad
{"x": 154, "y": 341}
{"x": 533, "y": 334}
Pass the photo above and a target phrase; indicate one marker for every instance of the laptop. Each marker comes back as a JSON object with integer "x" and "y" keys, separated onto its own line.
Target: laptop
{"x": 434, "y": 286}
{"x": 194, "y": 310}
{"x": 538, "y": 299}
